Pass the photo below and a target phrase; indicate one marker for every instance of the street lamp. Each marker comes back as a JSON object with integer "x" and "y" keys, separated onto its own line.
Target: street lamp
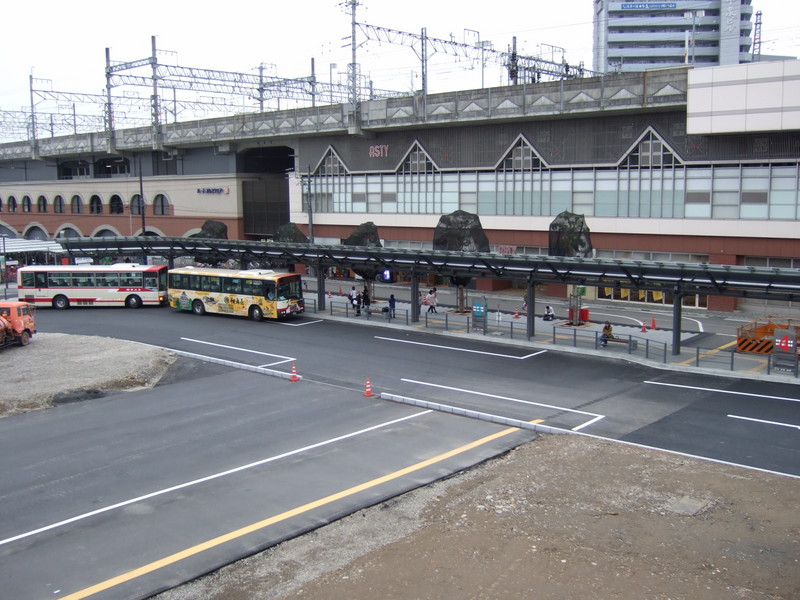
{"x": 693, "y": 15}
{"x": 3, "y": 266}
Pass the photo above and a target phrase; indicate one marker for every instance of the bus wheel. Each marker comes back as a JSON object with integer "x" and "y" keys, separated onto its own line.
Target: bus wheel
{"x": 198, "y": 308}
{"x": 25, "y": 338}
{"x": 61, "y": 302}
{"x": 256, "y": 313}
{"x": 133, "y": 302}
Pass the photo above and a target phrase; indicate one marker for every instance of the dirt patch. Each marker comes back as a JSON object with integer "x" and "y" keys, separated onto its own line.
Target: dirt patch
{"x": 562, "y": 517}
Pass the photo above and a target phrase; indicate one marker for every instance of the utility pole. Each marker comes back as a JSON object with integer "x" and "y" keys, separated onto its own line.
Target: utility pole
{"x": 142, "y": 203}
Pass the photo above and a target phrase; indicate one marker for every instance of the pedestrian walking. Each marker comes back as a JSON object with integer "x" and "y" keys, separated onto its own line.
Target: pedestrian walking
{"x": 430, "y": 299}
{"x": 357, "y": 304}
{"x": 365, "y": 300}
{"x": 392, "y": 305}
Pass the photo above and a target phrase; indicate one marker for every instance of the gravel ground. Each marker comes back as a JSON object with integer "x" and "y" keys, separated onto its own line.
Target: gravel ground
{"x": 562, "y": 517}
{"x": 71, "y": 367}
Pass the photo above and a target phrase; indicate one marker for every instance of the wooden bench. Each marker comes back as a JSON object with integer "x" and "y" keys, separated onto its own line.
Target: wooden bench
{"x": 634, "y": 344}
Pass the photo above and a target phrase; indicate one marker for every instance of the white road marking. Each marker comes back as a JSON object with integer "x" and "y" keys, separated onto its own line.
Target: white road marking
{"x": 284, "y": 359}
{"x": 764, "y": 422}
{"x": 377, "y": 337}
{"x": 211, "y": 477}
{"x": 704, "y": 389}
{"x": 296, "y": 324}
{"x": 595, "y": 416}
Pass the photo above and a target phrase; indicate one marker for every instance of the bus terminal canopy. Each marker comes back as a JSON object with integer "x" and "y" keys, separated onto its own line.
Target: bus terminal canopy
{"x": 14, "y": 245}
{"x": 677, "y": 278}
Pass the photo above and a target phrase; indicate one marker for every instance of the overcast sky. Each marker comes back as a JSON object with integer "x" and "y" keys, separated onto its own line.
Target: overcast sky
{"x": 65, "y": 42}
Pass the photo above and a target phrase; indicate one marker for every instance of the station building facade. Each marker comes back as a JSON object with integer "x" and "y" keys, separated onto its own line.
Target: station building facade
{"x": 674, "y": 170}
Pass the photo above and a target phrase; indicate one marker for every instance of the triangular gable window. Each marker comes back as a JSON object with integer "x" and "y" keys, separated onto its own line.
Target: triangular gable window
{"x": 521, "y": 157}
{"x": 651, "y": 152}
{"x": 417, "y": 161}
{"x": 330, "y": 165}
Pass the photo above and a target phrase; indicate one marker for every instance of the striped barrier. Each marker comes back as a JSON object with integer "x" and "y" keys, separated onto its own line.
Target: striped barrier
{"x": 755, "y": 346}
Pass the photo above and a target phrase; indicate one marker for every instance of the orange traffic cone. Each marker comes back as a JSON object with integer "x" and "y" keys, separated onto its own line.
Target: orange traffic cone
{"x": 294, "y": 376}
{"x": 330, "y": 294}
{"x": 516, "y": 313}
{"x": 644, "y": 328}
{"x": 368, "y": 392}
{"x": 653, "y": 323}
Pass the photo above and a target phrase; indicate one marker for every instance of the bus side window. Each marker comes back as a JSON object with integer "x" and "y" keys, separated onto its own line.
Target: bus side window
{"x": 28, "y": 279}
{"x": 231, "y": 285}
{"x": 151, "y": 282}
{"x": 270, "y": 290}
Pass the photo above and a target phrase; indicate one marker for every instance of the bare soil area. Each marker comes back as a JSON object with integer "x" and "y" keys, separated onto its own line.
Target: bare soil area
{"x": 562, "y": 517}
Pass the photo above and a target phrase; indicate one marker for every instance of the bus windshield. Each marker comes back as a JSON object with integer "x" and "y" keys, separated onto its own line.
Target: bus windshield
{"x": 289, "y": 289}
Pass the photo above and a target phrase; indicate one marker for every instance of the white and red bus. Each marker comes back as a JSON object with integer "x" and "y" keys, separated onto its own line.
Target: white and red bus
{"x": 123, "y": 284}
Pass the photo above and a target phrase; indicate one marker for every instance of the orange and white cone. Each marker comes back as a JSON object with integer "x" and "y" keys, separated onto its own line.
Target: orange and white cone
{"x": 368, "y": 392}
{"x": 644, "y": 328}
{"x": 294, "y": 376}
{"x": 516, "y": 313}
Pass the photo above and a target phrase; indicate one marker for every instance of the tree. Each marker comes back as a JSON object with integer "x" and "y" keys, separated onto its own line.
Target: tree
{"x": 290, "y": 233}
{"x": 365, "y": 235}
{"x": 569, "y": 236}
{"x": 460, "y": 231}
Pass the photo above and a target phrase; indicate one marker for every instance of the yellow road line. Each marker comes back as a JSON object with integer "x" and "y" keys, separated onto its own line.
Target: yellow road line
{"x": 709, "y": 353}
{"x": 218, "y": 541}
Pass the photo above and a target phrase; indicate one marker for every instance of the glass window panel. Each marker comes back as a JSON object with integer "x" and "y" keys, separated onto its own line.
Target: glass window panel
{"x": 784, "y": 183}
{"x": 725, "y": 198}
{"x": 755, "y": 184}
{"x": 606, "y": 186}
{"x": 782, "y": 212}
{"x": 696, "y": 185}
{"x": 726, "y": 185}
{"x": 449, "y": 202}
{"x": 698, "y": 211}
{"x": 559, "y": 185}
{"x": 725, "y": 212}
{"x": 487, "y": 203}
{"x": 559, "y": 202}
{"x": 755, "y": 171}
{"x": 783, "y": 198}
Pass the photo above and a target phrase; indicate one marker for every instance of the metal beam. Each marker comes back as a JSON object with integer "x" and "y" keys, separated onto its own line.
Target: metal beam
{"x": 714, "y": 280}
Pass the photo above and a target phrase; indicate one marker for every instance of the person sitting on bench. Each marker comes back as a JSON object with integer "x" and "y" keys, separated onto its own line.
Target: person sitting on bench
{"x": 608, "y": 334}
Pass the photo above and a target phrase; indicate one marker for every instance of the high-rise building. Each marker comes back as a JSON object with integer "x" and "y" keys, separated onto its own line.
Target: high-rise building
{"x": 638, "y": 36}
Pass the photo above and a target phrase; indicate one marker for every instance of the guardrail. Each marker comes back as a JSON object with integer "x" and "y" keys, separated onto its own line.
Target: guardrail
{"x": 506, "y": 326}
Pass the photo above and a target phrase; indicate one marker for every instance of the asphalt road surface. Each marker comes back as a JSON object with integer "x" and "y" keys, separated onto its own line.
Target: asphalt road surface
{"x": 126, "y": 495}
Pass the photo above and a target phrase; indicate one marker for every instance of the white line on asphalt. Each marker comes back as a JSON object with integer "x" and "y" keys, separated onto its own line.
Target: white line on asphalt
{"x": 704, "y": 389}
{"x": 765, "y": 422}
{"x": 297, "y": 324}
{"x": 377, "y": 337}
{"x": 211, "y": 477}
{"x": 476, "y": 393}
{"x": 589, "y": 422}
{"x": 285, "y": 358}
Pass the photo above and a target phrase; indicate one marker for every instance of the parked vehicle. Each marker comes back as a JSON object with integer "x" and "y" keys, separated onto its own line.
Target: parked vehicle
{"x": 17, "y": 323}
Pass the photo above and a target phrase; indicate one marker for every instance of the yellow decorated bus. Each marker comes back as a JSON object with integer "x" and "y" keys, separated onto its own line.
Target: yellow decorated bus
{"x": 252, "y": 293}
